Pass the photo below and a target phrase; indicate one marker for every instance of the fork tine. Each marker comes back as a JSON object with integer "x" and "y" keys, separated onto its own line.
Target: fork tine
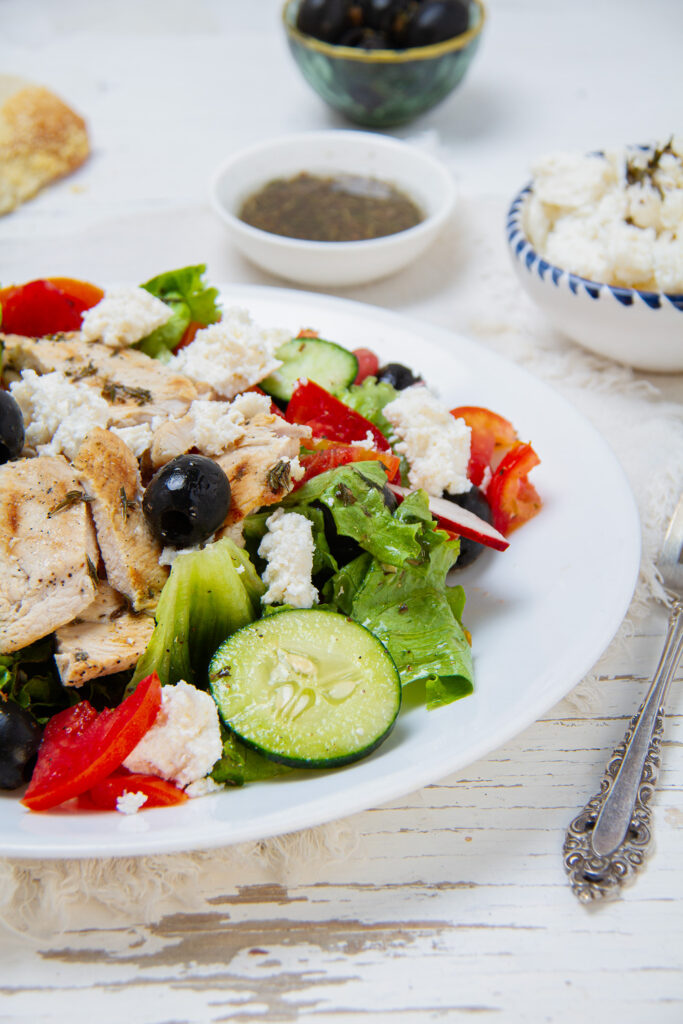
{"x": 670, "y": 561}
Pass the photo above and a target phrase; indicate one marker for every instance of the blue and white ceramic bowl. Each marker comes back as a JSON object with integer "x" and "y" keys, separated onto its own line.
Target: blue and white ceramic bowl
{"x": 638, "y": 328}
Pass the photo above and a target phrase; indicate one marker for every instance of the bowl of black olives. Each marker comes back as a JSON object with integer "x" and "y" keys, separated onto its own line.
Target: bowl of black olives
{"x": 383, "y": 62}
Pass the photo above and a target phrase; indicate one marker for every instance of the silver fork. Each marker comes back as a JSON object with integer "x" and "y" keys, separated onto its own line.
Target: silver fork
{"x": 609, "y": 840}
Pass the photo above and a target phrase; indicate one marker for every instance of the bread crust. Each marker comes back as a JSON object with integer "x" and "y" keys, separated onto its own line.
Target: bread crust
{"x": 41, "y": 140}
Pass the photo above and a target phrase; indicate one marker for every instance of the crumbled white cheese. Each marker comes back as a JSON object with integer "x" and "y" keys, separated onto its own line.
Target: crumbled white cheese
{"x": 169, "y": 554}
{"x": 138, "y": 437}
{"x": 584, "y": 216}
{"x": 125, "y": 315}
{"x": 232, "y": 355}
{"x": 130, "y": 803}
{"x": 367, "y": 442}
{"x": 57, "y": 413}
{"x": 215, "y": 426}
{"x": 288, "y": 549}
{"x": 203, "y": 787}
{"x": 435, "y": 443}
{"x": 184, "y": 742}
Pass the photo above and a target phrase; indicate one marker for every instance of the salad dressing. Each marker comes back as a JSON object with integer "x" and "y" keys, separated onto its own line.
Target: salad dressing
{"x": 339, "y": 208}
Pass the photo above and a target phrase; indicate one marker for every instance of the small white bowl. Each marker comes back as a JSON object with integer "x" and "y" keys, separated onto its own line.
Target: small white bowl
{"x": 334, "y": 264}
{"x": 638, "y": 328}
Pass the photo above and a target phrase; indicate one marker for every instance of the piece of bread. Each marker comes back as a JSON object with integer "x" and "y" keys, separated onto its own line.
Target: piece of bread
{"x": 41, "y": 139}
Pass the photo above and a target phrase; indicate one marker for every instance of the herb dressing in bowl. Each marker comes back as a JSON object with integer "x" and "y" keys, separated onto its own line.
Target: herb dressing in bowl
{"x": 339, "y": 208}
{"x": 352, "y": 155}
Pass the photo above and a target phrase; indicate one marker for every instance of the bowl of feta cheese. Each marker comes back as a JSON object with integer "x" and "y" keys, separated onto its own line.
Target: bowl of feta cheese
{"x": 597, "y": 242}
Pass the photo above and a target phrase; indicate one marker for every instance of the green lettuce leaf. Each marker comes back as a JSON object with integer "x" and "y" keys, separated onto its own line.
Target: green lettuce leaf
{"x": 30, "y": 678}
{"x": 190, "y": 299}
{"x": 353, "y": 496}
{"x": 239, "y": 764}
{"x": 209, "y": 594}
{"x": 411, "y": 609}
{"x": 369, "y": 399}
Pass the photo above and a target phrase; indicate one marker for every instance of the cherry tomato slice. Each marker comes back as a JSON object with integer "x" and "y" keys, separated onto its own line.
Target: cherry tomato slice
{"x": 489, "y": 432}
{"x": 46, "y": 306}
{"x": 81, "y": 747}
{"x": 103, "y": 795}
{"x": 512, "y": 498}
{"x": 328, "y": 417}
{"x": 330, "y": 456}
{"x": 368, "y": 364}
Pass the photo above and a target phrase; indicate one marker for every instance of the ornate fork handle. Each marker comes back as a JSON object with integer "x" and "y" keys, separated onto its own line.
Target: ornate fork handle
{"x": 609, "y": 840}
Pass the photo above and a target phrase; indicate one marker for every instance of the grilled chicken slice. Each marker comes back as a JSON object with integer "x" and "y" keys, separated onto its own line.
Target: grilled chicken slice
{"x": 48, "y": 551}
{"x": 259, "y": 466}
{"x": 138, "y": 388}
{"x": 105, "y": 638}
{"x": 108, "y": 472}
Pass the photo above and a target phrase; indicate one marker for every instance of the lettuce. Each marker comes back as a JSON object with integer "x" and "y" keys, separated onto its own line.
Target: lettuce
{"x": 30, "y": 679}
{"x": 369, "y": 399}
{"x": 239, "y": 764}
{"x": 190, "y": 299}
{"x": 209, "y": 594}
{"x": 411, "y": 609}
{"x": 396, "y": 584}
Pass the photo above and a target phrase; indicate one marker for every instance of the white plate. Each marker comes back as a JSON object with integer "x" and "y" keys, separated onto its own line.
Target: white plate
{"x": 540, "y": 614}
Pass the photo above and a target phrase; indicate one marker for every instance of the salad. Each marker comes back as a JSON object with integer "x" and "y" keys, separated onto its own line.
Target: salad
{"x": 226, "y": 549}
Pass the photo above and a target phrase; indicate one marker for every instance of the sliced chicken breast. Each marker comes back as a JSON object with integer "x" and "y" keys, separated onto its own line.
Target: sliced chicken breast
{"x": 138, "y": 388}
{"x": 105, "y": 638}
{"x": 108, "y": 471}
{"x": 48, "y": 552}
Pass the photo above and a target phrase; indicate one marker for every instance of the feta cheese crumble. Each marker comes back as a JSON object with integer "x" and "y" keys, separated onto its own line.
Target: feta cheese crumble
{"x": 232, "y": 355}
{"x": 124, "y": 316}
{"x": 615, "y": 217}
{"x": 138, "y": 437}
{"x": 184, "y": 742}
{"x": 436, "y": 444}
{"x": 57, "y": 413}
{"x": 130, "y": 803}
{"x": 288, "y": 549}
{"x": 215, "y": 426}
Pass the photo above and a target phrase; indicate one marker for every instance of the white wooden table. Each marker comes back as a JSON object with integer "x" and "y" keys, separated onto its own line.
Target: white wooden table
{"x": 450, "y": 903}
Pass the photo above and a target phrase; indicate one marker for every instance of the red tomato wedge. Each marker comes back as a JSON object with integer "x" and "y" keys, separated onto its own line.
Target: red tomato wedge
{"x": 331, "y": 455}
{"x": 328, "y": 417}
{"x": 81, "y": 747}
{"x": 103, "y": 795}
{"x": 188, "y": 335}
{"x": 489, "y": 432}
{"x": 512, "y": 498}
{"x": 368, "y": 364}
{"x": 47, "y": 306}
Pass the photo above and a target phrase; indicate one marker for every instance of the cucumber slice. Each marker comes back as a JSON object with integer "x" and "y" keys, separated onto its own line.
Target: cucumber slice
{"x": 328, "y": 364}
{"x": 306, "y": 687}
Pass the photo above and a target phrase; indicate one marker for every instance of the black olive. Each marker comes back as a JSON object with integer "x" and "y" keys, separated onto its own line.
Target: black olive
{"x": 398, "y": 375}
{"x": 474, "y": 501}
{"x": 435, "y": 21}
{"x": 364, "y": 38}
{"x": 187, "y": 500}
{"x": 380, "y": 14}
{"x": 11, "y": 427}
{"x": 20, "y": 737}
{"x": 324, "y": 19}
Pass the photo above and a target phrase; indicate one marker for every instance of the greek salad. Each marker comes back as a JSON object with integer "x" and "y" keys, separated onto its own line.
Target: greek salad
{"x": 225, "y": 549}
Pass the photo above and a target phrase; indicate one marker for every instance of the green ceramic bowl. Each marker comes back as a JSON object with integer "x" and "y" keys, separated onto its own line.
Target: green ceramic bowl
{"x": 383, "y": 88}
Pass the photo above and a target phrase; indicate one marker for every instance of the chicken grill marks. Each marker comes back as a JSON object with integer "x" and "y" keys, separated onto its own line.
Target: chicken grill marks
{"x": 108, "y": 472}
{"x": 47, "y": 562}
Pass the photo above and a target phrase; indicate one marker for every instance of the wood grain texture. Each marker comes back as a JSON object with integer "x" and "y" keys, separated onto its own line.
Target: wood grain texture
{"x": 452, "y": 905}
